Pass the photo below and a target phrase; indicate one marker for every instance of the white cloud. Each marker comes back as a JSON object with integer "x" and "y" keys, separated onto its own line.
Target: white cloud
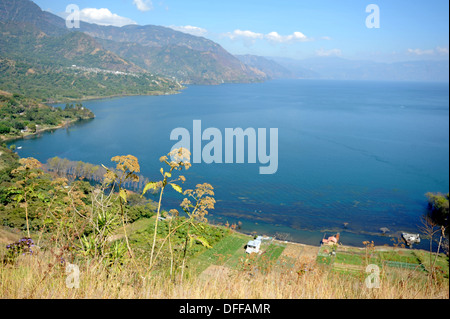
{"x": 104, "y": 17}
{"x": 296, "y": 36}
{"x": 332, "y": 52}
{"x": 442, "y": 51}
{"x": 272, "y": 36}
{"x": 438, "y": 51}
{"x": 420, "y": 52}
{"x": 143, "y": 5}
{"x": 244, "y": 34}
{"x": 197, "y": 31}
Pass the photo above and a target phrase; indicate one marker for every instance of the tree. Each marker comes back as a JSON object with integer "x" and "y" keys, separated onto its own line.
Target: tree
{"x": 18, "y": 125}
{"x": 438, "y": 205}
{"x": 32, "y": 127}
{"x": 54, "y": 164}
{"x": 4, "y": 128}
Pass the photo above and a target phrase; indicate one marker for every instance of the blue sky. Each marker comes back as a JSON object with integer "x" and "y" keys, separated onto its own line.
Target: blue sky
{"x": 409, "y": 30}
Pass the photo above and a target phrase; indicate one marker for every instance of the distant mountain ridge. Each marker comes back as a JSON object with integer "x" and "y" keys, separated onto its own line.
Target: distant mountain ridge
{"x": 272, "y": 69}
{"x": 336, "y": 68}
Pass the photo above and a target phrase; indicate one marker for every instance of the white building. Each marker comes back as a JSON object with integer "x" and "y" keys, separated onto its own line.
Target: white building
{"x": 253, "y": 246}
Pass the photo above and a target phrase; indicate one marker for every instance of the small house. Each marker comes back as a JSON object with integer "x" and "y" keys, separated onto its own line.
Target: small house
{"x": 332, "y": 240}
{"x": 411, "y": 238}
{"x": 253, "y": 246}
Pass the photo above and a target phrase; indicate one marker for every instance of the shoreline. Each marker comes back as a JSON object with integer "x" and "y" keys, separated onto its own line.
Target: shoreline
{"x": 377, "y": 247}
{"x": 106, "y": 97}
{"x": 249, "y": 234}
{"x": 54, "y": 128}
{"x": 84, "y": 99}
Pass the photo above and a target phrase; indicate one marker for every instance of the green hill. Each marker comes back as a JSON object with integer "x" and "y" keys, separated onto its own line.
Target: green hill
{"x": 24, "y": 42}
{"x": 55, "y": 84}
{"x": 51, "y": 66}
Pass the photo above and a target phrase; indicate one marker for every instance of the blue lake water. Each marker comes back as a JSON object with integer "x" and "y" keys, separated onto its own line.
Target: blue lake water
{"x": 362, "y": 153}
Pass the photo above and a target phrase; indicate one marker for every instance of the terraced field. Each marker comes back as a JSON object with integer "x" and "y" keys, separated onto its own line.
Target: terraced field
{"x": 355, "y": 260}
{"x": 226, "y": 252}
{"x": 230, "y": 253}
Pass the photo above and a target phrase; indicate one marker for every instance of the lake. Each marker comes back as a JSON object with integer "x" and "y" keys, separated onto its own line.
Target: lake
{"x": 362, "y": 153}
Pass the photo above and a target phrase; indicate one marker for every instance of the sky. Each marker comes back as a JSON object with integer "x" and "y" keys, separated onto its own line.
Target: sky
{"x": 390, "y": 31}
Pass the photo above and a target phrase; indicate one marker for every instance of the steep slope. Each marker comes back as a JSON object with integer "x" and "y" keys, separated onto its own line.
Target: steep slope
{"x": 186, "y": 57}
{"x": 26, "y": 11}
{"x": 186, "y": 64}
{"x": 25, "y": 42}
{"x": 150, "y": 36}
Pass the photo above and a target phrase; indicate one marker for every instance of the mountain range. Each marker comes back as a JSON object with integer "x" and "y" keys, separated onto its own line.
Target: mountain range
{"x": 153, "y": 49}
{"x": 36, "y": 46}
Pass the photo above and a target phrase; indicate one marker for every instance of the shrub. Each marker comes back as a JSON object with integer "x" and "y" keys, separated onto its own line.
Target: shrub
{"x": 5, "y": 128}
{"x": 22, "y": 247}
{"x": 439, "y": 207}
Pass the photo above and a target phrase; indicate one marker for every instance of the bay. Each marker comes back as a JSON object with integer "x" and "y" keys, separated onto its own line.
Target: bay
{"x": 362, "y": 153}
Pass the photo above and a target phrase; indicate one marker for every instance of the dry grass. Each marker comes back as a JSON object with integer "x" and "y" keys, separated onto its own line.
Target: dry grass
{"x": 41, "y": 278}
{"x": 7, "y": 237}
